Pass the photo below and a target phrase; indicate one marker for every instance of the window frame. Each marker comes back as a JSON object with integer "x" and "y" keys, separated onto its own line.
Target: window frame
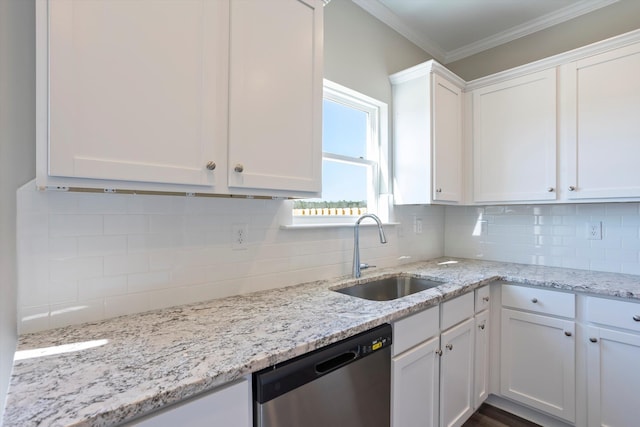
{"x": 377, "y": 157}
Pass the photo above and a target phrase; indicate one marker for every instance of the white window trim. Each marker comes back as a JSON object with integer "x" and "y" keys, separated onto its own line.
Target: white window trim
{"x": 378, "y": 131}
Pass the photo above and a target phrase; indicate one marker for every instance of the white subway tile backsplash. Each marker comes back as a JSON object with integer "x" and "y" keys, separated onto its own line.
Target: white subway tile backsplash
{"x": 126, "y": 224}
{"x": 76, "y": 312}
{"x": 33, "y": 319}
{"x": 140, "y": 282}
{"x": 88, "y": 256}
{"x": 101, "y": 245}
{"x": 559, "y": 236}
{"x": 62, "y": 247}
{"x": 62, "y": 270}
{"x": 626, "y": 209}
{"x": 102, "y": 203}
{"x": 115, "y": 265}
{"x": 100, "y": 287}
{"x": 75, "y": 225}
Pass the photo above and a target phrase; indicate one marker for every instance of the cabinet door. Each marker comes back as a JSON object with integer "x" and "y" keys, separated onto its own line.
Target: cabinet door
{"x": 275, "y": 95}
{"x": 456, "y": 374}
{"x": 447, "y": 141}
{"x": 137, "y": 89}
{"x": 414, "y": 392}
{"x": 514, "y": 139}
{"x": 603, "y": 161}
{"x": 612, "y": 378}
{"x": 229, "y": 406}
{"x": 538, "y": 362}
{"x": 481, "y": 368}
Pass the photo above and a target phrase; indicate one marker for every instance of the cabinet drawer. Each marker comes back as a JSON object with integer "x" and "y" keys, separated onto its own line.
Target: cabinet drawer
{"x": 539, "y": 300}
{"x": 413, "y": 330}
{"x": 620, "y": 314}
{"x": 456, "y": 310}
{"x": 482, "y": 298}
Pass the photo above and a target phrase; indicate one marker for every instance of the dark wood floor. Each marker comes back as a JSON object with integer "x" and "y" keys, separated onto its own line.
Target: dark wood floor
{"x": 490, "y": 416}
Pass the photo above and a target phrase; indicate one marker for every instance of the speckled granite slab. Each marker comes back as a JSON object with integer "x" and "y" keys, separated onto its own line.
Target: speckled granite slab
{"x": 141, "y": 362}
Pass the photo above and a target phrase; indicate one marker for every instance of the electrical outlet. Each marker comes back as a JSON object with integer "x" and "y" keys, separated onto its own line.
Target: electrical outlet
{"x": 417, "y": 225}
{"x": 239, "y": 235}
{"x": 594, "y": 230}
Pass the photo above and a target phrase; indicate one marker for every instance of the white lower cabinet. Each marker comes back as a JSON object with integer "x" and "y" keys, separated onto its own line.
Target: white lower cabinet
{"x": 415, "y": 382}
{"x": 228, "y": 406}
{"x": 537, "y": 352}
{"x": 456, "y": 374}
{"x": 432, "y": 372}
{"x": 612, "y": 363}
{"x": 415, "y": 370}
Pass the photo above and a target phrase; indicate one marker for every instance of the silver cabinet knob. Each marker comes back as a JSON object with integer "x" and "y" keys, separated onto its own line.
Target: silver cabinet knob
{"x": 485, "y": 299}
{"x": 438, "y": 190}
{"x": 449, "y": 347}
{"x": 568, "y": 333}
{"x": 593, "y": 339}
{"x": 211, "y": 165}
{"x": 438, "y": 352}
{"x": 481, "y": 326}
{"x": 534, "y": 300}
{"x": 239, "y": 168}
{"x": 551, "y": 189}
{"x": 572, "y": 188}
{"x": 636, "y": 317}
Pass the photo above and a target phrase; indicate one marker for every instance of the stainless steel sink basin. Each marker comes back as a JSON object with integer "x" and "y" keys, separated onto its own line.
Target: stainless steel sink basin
{"x": 390, "y": 288}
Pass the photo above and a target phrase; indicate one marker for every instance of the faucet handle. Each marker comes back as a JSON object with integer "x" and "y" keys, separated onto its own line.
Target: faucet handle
{"x": 364, "y": 265}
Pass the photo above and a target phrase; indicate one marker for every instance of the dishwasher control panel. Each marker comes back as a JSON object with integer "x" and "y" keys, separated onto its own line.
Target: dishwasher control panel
{"x": 376, "y": 344}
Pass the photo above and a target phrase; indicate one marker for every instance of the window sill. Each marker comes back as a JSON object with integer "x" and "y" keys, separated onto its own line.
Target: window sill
{"x": 333, "y": 225}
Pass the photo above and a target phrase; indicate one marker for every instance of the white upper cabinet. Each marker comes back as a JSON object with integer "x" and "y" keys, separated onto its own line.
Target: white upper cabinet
{"x": 514, "y": 139}
{"x": 275, "y": 95}
{"x": 427, "y": 105}
{"x": 603, "y": 144}
{"x": 135, "y": 89}
{"x": 172, "y": 95}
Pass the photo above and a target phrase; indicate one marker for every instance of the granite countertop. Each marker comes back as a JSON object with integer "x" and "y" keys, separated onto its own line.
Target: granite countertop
{"x": 139, "y": 363}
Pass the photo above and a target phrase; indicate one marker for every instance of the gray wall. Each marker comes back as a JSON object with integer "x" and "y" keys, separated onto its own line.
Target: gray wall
{"x": 618, "y": 18}
{"x": 17, "y": 156}
{"x": 361, "y": 52}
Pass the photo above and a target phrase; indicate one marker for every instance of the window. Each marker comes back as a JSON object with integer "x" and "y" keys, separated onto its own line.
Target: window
{"x": 354, "y": 158}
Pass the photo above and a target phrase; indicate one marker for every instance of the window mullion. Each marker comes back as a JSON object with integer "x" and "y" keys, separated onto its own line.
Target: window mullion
{"x": 348, "y": 159}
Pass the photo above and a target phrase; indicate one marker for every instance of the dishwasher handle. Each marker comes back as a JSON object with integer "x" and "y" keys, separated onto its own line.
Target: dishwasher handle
{"x": 336, "y": 362}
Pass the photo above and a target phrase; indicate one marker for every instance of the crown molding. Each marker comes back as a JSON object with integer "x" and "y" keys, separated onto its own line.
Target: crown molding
{"x": 535, "y": 25}
{"x": 424, "y": 69}
{"x": 557, "y": 60}
{"x": 382, "y": 13}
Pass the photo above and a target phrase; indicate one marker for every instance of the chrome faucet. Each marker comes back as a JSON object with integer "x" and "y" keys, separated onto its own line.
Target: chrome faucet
{"x": 357, "y": 267}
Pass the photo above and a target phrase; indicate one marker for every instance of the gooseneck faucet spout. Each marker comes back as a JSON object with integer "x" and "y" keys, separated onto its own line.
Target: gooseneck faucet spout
{"x": 357, "y": 267}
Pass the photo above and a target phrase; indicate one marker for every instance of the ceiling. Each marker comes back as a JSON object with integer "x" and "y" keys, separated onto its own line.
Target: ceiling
{"x": 450, "y": 30}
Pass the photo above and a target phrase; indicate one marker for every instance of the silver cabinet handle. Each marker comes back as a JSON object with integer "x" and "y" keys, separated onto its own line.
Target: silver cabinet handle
{"x": 568, "y": 333}
{"x": 485, "y": 299}
{"x": 636, "y": 317}
{"x": 239, "y": 168}
{"x": 211, "y": 165}
{"x": 550, "y": 189}
{"x": 449, "y": 347}
{"x": 572, "y": 188}
{"x": 438, "y": 352}
{"x": 481, "y": 326}
{"x": 534, "y": 300}
{"x": 593, "y": 339}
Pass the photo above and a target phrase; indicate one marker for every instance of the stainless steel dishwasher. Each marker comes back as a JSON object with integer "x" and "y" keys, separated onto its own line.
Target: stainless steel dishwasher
{"x": 344, "y": 384}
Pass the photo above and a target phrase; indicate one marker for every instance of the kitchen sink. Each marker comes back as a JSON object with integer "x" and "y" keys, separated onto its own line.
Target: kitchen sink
{"x": 389, "y": 288}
